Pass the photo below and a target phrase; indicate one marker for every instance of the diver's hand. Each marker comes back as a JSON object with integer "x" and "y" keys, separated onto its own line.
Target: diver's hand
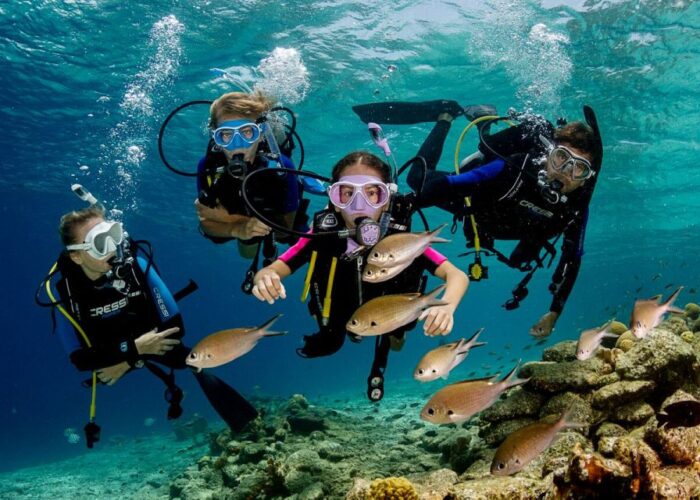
{"x": 110, "y": 374}
{"x": 216, "y": 214}
{"x": 155, "y": 342}
{"x": 545, "y": 325}
{"x": 252, "y": 228}
{"x": 268, "y": 286}
{"x": 439, "y": 320}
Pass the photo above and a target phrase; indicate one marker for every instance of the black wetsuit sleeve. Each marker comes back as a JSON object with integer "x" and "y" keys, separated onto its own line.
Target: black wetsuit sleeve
{"x": 450, "y": 187}
{"x": 96, "y": 357}
{"x": 570, "y": 262}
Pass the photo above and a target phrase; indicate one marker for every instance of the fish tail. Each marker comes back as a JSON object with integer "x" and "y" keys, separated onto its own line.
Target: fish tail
{"x": 472, "y": 342}
{"x": 565, "y": 421}
{"x": 512, "y": 380}
{"x": 264, "y": 327}
{"x": 434, "y": 293}
{"x": 669, "y": 303}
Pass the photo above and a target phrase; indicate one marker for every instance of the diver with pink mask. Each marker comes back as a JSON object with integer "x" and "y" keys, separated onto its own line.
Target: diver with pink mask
{"x": 359, "y": 212}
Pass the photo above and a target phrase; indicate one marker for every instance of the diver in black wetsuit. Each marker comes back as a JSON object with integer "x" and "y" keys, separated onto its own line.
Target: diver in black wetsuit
{"x": 529, "y": 183}
{"x": 116, "y": 315}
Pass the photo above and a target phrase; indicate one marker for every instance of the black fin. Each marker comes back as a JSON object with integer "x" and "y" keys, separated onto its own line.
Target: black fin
{"x": 406, "y": 113}
{"x": 233, "y": 408}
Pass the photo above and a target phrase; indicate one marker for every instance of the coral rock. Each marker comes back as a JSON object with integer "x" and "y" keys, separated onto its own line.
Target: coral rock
{"x": 636, "y": 412}
{"x": 563, "y": 351}
{"x": 503, "y": 488}
{"x": 494, "y": 434}
{"x": 661, "y": 356}
{"x": 568, "y": 375}
{"x": 618, "y": 328}
{"x": 392, "y": 488}
{"x": 625, "y": 341}
{"x": 519, "y": 403}
{"x": 625, "y": 391}
{"x": 692, "y": 310}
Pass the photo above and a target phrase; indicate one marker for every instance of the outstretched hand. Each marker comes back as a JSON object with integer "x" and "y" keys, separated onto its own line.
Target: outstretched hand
{"x": 545, "y": 325}
{"x": 268, "y": 286}
{"x": 439, "y": 320}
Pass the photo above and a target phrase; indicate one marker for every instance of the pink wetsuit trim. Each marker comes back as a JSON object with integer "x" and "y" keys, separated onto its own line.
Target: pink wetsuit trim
{"x": 434, "y": 256}
{"x": 294, "y": 250}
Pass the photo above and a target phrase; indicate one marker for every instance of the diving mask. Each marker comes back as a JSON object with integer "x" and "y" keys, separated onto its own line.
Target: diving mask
{"x": 358, "y": 193}
{"x": 236, "y": 134}
{"x": 103, "y": 239}
{"x": 564, "y": 160}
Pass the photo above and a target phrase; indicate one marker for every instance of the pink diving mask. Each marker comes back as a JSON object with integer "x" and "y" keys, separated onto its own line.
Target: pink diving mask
{"x": 359, "y": 195}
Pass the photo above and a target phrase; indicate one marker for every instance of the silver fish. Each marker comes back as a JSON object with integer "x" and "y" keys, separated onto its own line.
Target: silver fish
{"x": 226, "y": 345}
{"x": 378, "y": 274}
{"x": 460, "y": 401}
{"x": 403, "y": 248}
{"x": 647, "y": 314}
{"x": 387, "y": 313}
{"x": 439, "y": 362}
{"x": 527, "y": 443}
{"x": 591, "y": 339}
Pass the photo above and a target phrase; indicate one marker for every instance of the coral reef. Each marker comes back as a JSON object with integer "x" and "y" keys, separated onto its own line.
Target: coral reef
{"x": 303, "y": 451}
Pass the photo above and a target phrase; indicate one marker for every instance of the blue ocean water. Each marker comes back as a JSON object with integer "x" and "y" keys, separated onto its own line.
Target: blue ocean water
{"x": 86, "y": 85}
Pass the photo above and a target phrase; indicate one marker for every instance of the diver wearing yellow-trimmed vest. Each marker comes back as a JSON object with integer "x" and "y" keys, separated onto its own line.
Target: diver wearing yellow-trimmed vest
{"x": 115, "y": 314}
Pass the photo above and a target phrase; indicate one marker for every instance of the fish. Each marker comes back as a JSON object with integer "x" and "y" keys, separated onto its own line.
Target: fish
{"x": 387, "y": 313}
{"x": 590, "y": 340}
{"x": 401, "y": 248}
{"x": 647, "y": 314}
{"x": 680, "y": 414}
{"x": 226, "y": 345}
{"x": 525, "y": 444}
{"x": 378, "y": 274}
{"x": 439, "y": 362}
{"x": 460, "y": 401}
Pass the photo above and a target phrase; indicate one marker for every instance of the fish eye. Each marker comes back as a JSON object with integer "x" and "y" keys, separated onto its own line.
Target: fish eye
{"x": 353, "y": 322}
{"x": 431, "y": 411}
{"x": 420, "y": 372}
{"x": 500, "y": 466}
{"x": 375, "y": 255}
{"x": 368, "y": 272}
{"x": 450, "y": 412}
{"x": 373, "y": 323}
{"x": 434, "y": 370}
{"x": 517, "y": 461}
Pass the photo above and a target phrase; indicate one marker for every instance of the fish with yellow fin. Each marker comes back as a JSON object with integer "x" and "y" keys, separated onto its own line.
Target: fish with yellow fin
{"x": 226, "y": 345}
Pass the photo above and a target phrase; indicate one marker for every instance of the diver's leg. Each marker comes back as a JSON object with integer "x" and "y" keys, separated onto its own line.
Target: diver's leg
{"x": 421, "y": 174}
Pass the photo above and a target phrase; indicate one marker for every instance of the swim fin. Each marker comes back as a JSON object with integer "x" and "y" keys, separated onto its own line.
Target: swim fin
{"x": 233, "y": 408}
{"x": 406, "y": 113}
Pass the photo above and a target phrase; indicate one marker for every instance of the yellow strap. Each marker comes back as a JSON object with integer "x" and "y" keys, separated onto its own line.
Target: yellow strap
{"x": 76, "y": 325}
{"x": 467, "y": 199}
{"x": 309, "y": 273}
{"x": 329, "y": 289}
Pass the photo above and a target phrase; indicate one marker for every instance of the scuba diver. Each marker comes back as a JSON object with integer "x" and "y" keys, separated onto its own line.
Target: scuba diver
{"x": 242, "y": 141}
{"x": 363, "y": 208}
{"x": 117, "y": 315}
{"x": 531, "y": 183}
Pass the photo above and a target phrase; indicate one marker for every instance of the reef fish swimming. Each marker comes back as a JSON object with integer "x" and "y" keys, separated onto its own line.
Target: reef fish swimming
{"x": 647, "y": 314}
{"x": 439, "y": 362}
{"x": 387, "y": 313}
{"x": 403, "y": 248}
{"x": 460, "y": 401}
{"x": 226, "y": 345}
{"x": 680, "y": 414}
{"x": 525, "y": 444}
{"x": 591, "y": 339}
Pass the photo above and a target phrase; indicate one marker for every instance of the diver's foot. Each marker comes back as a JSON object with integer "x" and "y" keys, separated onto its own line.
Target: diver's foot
{"x": 396, "y": 342}
{"x": 449, "y": 110}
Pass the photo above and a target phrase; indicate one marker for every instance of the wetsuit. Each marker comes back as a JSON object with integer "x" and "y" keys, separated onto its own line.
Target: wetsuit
{"x": 113, "y": 314}
{"x": 274, "y": 195}
{"x": 507, "y": 204}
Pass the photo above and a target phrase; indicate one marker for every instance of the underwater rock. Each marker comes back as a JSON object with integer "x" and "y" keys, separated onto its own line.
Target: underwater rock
{"x": 391, "y": 488}
{"x": 494, "y": 434}
{"x": 302, "y": 469}
{"x": 569, "y": 375}
{"x": 555, "y": 459}
{"x": 625, "y": 391}
{"x": 331, "y": 451}
{"x": 358, "y": 490}
{"x": 456, "y": 449}
{"x": 589, "y": 474}
{"x": 673, "y": 483}
{"x": 626, "y": 450}
{"x": 688, "y": 336}
{"x": 581, "y": 410}
{"x": 692, "y": 310}
{"x": 562, "y": 351}
{"x": 625, "y": 341}
{"x": 696, "y": 325}
{"x": 503, "y": 488}
{"x": 606, "y": 431}
{"x": 674, "y": 324}
{"x": 252, "y": 453}
{"x": 517, "y": 404}
{"x": 618, "y": 328}
{"x": 661, "y": 356}
{"x": 680, "y": 445}
{"x": 306, "y": 423}
{"x": 633, "y": 413}
{"x": 435, "y": 485}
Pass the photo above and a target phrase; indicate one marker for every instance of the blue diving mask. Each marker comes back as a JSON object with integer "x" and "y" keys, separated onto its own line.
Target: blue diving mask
{"x": 236, "y": 134}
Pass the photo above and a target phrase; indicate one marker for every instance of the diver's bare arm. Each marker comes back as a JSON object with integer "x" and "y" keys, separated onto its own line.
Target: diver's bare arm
{"x": 456, "y": 283}
{"x": 268, "y": 282}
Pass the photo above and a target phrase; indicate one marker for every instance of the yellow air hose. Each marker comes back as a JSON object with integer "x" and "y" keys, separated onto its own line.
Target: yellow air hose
{"x": 309, "y": 273}
{"x": 329, "y": 289}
